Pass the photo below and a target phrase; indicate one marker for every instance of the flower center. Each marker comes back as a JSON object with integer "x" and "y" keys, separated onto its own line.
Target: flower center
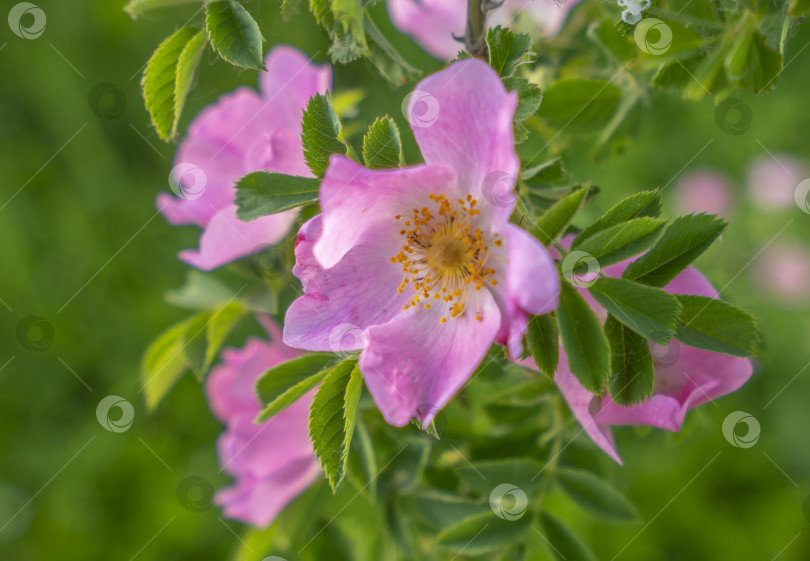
{"x": 444, "y": 255}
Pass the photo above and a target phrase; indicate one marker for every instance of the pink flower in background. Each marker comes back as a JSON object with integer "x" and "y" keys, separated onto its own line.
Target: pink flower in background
{"x": 704, "y": 191}
{"x": 685, "y": 377}
{"x": 272, "y": 462}
{"x": 420, "y": 266}
{"x": 783, "y": 270}
{"x": 244, "y": 131}
{"x": 772, "y": 180}
{"x": 433, "y": 23}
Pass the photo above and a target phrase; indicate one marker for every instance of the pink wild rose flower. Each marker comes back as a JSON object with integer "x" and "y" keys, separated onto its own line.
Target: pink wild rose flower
{"x": 685, "y": 377}
{"x": 419, "y": 267}
{"x": 434, "y": 23}
{"x": 245, "y": 131}
{"x": 272, "y": 462}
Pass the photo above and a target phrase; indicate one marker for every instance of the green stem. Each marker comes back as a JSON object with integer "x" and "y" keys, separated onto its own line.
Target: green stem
{"x": 475, "y": 36}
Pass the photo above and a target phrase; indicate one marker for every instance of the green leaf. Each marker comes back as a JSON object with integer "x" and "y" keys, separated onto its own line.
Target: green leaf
{"x": 281, "y": 378}
{"x": 347, "y": 33}
{"x": 622, "y": 241}
{"x": 483, "y": 476}
{"x": 544, "y": 343}
{"x": 565, "y": 545}
{"x": 632, "y": 364}
{"x": 506, "y": 49}
{"x": 557, "y": 218}
{"x": 681, "y": 243}
{"x": 443, "y": 509}
{"x": 382, "y": 147}
{"x": 332, "y": 419}
{"x": 136, "y": 8}
{"x": 290, "y": 396}
{"x": 266, "y": 192}
{"x": 595, "y": 495}
{"x": 322, "y": 134}
{"x": 187, "y": 65}
{"x": 645, "y": 203}
{"x": 163, "y": 363}
{"x": 161, "y": 79}
{"x": 798, "y": 8}
{"x": 579, "y": 105}
{"x": 529, "y": 98}
{"x": 206, "y": 332}
{"x": 200, "y": 292}
{"x": 482, "y": 533}
{"x": 615, "y": 44}
{"x": 585, "y": 343}
{"x": 648, "y": 311}
{"x": 550, "y": 171}
{"x": 289, "y": 8}
{"x": 391, "y": 65}
{"x": 234, "y": 34}
{"x": 764, "y": 65}
{"x": 715, "y": 325}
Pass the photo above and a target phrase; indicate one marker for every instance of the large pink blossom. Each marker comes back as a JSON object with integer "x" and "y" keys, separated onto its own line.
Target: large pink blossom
{"x": 272, "y": 462}
{"x": 245, "y": 131}
{"x": 685, "y": 377}
{"x": 434, "y": 23}
{"x": 419, "y": 267}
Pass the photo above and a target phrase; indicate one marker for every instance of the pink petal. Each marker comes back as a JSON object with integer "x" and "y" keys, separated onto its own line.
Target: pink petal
{"x": 547, "y": 15}
{"x": 338, "y": 303}
{"x": 532, "y": 280}
{"x": 227, "y": 238}
{"x": 413, "y": 365}
{"x": 360, "y": 205}
{"x": 462, "y": 116}
{"x": 432, "y": 24}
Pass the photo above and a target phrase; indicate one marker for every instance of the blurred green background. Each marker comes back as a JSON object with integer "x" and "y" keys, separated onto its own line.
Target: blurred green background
{"x": 83, "y": 249}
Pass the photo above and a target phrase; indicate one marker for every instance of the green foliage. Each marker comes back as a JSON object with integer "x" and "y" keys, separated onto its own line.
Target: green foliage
{"x": 322, "y": 134}
{"x": 529, "y": 98}
{"x": 482, "y": 534}
{"x": 382, "y": 146}
{"x": 622, "y": 241}
{"x": 506, "y": 49}
{"x": 579, "y": 105}
{"x": 519, "y": 472}
{"x": 715, "y": 325}
{"x": 631, "y": 362}
{"x": 542, "y": 338}
{"x": 565, "y": 545}
{"x": 645, "y": 203}
{"x": 266, "y": 192}
{"x": 332, "y": 418}
{"x": 586, "y": 345}
{"x": 167, "y": 78}
{"x": 283, "y": 384}
{"x": 595, "y": 495}
{"x": 553, "y": 223}
{"x": 234, "y": 34}
{"x": 137, "y": 8}
{"x": 207, "y": 332}
{"x": 550, "y": 171}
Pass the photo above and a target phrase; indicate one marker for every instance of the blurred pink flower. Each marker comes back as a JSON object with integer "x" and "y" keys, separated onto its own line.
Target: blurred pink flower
{"x": 685, "y": 377}
{"x": 272, "y": 462}
{"x": 433, "y": 23}
{"x": 772, "y": 180}
{"x": 704, "y": 191}
{"x": 244, "y": 131}
{"x": 421, "y": 264}
{"x": 784, "y": 272}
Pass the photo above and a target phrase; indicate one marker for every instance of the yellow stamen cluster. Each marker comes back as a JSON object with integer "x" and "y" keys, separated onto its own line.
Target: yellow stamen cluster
{"x": 444, "y": 256}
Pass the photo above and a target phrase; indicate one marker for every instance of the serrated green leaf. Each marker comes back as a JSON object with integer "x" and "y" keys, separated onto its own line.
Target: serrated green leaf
{"x": 266, "y": 192}
{"x": 290, "y": 396}
{"x": 684, "y": 240}
{"x": 332, "y": 419}
{"x": 585, "y": 343}
{"x": 160, "y": 80}
{"x": 506, "y": 49}
{"x": 543, "y": 340}
{"x": 645, "y": 203}
{"x": 595, "y": 495}
{"x": 648, "y": 311}
{"x": 164, "y": 363}
{"x": 550, "y": 171}
{"x": 322, "y": 134}
{"x": 482, "y": 533}
{"x": 529, "y": 98}
{"x": 579, "y": 105}
{"x": 281, "y": 378}
{"x": 289, "y": 8}
{"x": 234, "y": 34}
{"x": 187, "y": 65}
{"x": 565, "y": 545}
{"x": 136, "y": 8}
{"x": 382, "y": 146}
{"x": 633, "y": 375}
{"x": 715, "y": 325}
{"x": 556, "y": 219}
{"x": 622, "y": 241}
{"x": 347, "y": 33}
